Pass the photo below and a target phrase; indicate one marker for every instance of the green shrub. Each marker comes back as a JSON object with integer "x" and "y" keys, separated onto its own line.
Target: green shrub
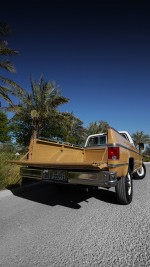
{"x": 9, "y": 173}
{"x": 146, "y": 158}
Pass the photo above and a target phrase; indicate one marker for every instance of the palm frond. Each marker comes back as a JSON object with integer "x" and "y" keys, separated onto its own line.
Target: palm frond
{"x": 27, "y": 100}
{"x": 7, "y": 52}
{"x": 4, "y": 95}
{"x": 14, "y": 108}
{"x": 59, "y": 101}
{"x": 19, "y": 90}
{"x": 147, "y": 140}
{"x": 33, "y": 88}
{"x": 7, "y": 65}
{"x": 6, "y": 89}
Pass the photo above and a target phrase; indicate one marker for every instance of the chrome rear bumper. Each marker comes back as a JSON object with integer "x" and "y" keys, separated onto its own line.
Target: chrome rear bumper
{"x": 94, "y": 178}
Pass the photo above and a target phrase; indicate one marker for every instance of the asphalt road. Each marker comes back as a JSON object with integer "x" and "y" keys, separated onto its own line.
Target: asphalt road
{"x": 45, "y": 226}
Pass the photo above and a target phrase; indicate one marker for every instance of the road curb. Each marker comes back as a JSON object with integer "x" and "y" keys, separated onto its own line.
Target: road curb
{"x": 5, "y": 193}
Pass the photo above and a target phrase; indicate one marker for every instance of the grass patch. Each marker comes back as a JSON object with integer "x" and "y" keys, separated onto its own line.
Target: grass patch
{"x": 9, "y": 173}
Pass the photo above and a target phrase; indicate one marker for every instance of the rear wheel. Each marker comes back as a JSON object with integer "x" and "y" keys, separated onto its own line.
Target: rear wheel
{"x": 140, "y": 174}
{"x": 124, "y": 189}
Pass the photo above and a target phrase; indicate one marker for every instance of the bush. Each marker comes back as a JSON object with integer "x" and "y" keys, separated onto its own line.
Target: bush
{"x": 9, "y": 173}
{"x": 146, "y": 158}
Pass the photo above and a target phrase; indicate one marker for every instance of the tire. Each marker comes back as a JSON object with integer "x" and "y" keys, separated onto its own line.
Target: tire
{"x": 124, "y": 189}
{"x": 140, "y": 174}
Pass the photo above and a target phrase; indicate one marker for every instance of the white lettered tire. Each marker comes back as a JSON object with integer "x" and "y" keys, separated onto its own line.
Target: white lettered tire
{"x": 140, "y": 174}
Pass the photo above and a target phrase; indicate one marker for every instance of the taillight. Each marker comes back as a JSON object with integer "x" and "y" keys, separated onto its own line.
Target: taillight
{"x": 113, "y": 152}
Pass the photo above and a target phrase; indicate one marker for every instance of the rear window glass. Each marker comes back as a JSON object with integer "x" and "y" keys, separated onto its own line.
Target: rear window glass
{"x": 97, "y": 140}
{"x": 125, "y": 136}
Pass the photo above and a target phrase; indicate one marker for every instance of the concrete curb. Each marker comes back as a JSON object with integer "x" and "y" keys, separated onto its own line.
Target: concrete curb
{"x": 5, "y": 193}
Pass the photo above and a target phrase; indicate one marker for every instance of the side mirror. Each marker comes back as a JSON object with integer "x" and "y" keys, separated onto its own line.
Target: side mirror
{"x": 141, "y": 146}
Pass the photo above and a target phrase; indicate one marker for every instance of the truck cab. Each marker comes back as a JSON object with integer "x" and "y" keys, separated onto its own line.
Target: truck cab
{"x": 101, "y": 139}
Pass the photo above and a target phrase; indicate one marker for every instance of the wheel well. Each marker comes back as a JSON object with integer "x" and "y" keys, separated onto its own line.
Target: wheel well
{"x": 131, "y": 164}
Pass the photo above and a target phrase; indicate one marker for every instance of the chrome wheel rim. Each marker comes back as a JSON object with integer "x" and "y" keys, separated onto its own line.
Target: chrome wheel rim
{"x": 140, "y": 172}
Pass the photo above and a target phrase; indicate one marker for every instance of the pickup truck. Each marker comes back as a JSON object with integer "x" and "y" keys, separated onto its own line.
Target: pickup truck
{"x": 106, "y": 160}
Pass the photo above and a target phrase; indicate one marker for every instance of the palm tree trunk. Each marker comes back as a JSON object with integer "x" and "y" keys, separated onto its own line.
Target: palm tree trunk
{"x": 34, "y": 134}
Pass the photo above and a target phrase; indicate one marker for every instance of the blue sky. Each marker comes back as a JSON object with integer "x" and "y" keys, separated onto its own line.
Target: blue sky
{"x": 99, "y": 55}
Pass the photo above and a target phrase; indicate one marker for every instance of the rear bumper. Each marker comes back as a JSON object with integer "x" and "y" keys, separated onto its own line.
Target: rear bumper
{"x": 94, "y": 178}
{"x": 98, "y": 178}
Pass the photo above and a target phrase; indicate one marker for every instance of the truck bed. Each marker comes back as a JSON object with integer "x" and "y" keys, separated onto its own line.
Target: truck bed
{"x": 62, "y": 156}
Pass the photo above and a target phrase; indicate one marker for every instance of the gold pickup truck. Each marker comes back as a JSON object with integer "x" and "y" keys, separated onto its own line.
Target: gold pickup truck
{"x": 107, "y": 160}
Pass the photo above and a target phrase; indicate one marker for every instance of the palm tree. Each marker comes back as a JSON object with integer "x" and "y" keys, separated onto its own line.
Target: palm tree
{"x": 7, "y": 86}
{"x": 140, "y": 138}
{"x": 97, "y": 127}
{"x": 72, "y": 128}
{"x": 37, "y": 106}
{"x": 93, "y": 128}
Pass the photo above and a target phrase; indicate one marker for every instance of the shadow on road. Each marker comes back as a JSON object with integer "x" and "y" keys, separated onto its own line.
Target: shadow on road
{"x": 63, "y": 195}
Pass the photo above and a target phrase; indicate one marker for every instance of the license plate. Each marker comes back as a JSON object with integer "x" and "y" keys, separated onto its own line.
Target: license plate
{"x": 58, "y": 176}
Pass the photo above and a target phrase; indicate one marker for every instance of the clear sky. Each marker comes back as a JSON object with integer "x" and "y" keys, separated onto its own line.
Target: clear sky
{"x": 98, "y": 52}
